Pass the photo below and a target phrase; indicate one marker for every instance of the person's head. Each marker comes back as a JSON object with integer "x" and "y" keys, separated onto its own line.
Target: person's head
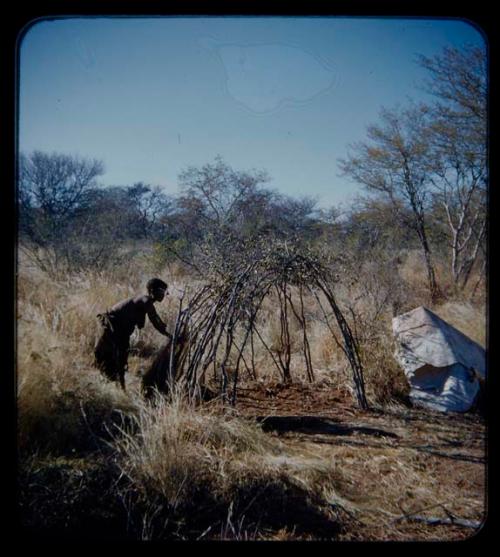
{"x": 157, "y": 289}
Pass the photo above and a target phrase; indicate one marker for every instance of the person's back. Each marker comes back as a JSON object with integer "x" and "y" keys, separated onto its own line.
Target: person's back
{"x": 131, "y": 313}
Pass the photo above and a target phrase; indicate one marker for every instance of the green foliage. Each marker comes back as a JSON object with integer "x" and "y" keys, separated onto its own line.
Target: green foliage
{"x": 167, "y": 251}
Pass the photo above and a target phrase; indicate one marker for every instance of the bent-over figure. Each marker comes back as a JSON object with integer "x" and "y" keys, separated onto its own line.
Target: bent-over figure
{"x": 111, "y": 350}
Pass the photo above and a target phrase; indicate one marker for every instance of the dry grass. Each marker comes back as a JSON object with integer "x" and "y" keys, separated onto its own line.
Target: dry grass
{"x": 170, "y": 452}
{"x": 61, "y": 398}
{"x": 468, "y": 318}
{"x": 393, "y": 463}
{"x": 385, "y": 480}
{"x": 196, "y": 472}
{"x": 179, "y": 445}
{"x": 187, "y": 460}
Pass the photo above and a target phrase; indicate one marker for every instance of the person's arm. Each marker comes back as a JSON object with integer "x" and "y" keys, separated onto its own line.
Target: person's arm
{"x": 157, "y": 322}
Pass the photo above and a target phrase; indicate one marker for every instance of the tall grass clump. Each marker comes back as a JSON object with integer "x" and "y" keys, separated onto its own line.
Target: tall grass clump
{"x": 220, "y": 473}
{"x": 63, "y": 403}
{"x": 385, "y": 380}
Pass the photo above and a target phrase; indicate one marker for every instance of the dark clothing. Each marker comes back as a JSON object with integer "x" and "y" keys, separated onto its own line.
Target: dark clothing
{"x": 111, "y": 350}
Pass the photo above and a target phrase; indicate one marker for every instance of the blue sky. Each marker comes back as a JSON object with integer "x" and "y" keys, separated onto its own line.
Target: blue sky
{"x": 150, "y": 96}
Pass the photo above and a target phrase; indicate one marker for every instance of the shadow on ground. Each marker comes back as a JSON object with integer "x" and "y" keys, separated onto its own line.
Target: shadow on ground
{"x": 317, "y": 425}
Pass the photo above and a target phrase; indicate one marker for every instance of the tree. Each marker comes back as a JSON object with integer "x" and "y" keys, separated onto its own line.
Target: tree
{"x": 53, "y": 190}
{"x": 219, "y": 195}
{"x": 297, "y": 218}
{"x": 458, "y": 81}
{"x": 219, "y": 205}
{"x": 147, "y": 207}
{"x": 393, "y": 163}
{"x": 216, "y": 197}
{"x": 458, "y": 78}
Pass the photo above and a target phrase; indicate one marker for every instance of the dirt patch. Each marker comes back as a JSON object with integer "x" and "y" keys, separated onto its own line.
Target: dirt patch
{"x": 296, "y": 399}
{"x": 401, "y": 466}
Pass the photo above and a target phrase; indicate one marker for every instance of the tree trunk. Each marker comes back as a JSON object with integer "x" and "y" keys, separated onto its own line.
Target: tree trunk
{"x": 434, "y": 289}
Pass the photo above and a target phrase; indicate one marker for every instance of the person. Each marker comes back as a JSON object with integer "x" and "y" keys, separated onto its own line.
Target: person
{"x": 111, "y": 349}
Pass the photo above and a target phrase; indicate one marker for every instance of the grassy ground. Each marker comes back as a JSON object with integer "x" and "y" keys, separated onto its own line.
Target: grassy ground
{"x": 395, "y": 464}
{"x": 288, "y": 462}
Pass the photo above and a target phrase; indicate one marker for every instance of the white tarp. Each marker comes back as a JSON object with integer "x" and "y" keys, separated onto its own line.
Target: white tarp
{"x": 442, "y": 365}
